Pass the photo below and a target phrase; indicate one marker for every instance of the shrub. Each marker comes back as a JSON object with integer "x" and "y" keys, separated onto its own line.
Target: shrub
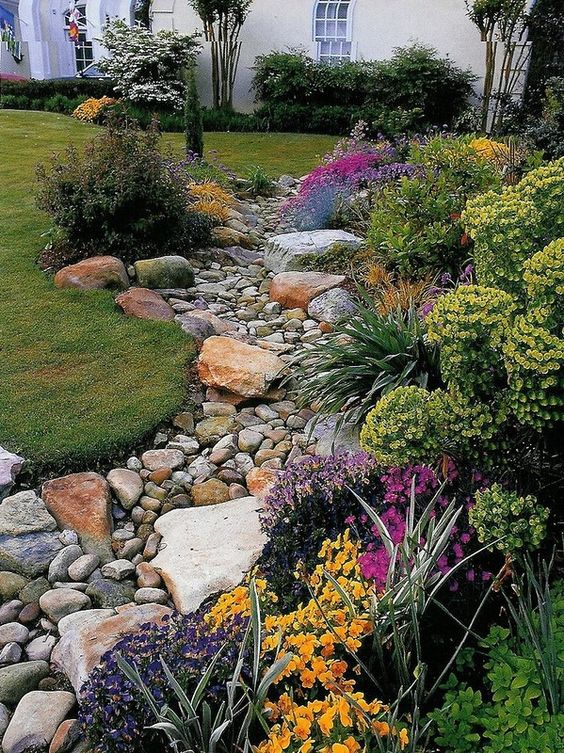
{"x": 408, "y": 425}
{"x": 32, "y": 94}
{"x": 364, "y": 358}
{"x": 147, "y": 68}
{"x": 193, "y": 122}
{"x": 509, "y": 227}
{"x": 471, "y": 325}
{"x": 511, "y": 714}
{"x": 414, "y": 88}
{"x": 416, "y": 227}
{"x": 519, "y": 522}
{"x": 308, "y": 503}
{"x": 119, "y": 197}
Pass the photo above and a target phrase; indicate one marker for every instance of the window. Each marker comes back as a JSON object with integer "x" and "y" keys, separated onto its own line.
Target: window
{"x": 82, "y": 47}
{"x": 332, "y": 31}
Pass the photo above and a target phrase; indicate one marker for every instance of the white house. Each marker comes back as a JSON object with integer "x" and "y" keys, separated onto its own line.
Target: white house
{"x": 334, "y": 30}
{"x": 42, "y": 30}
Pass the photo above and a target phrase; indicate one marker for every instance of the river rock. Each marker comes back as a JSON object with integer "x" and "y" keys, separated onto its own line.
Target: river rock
{"x": 143, "y": 303}
{"x": 59, "y": 567}
{"x": 155, "y": 459}
{"x": 332, "y": 306}
{"x": 10, "y": 584}
{"x": 225, "y": 542}
{"x": 86, "y": 636}
{"x": 13, "y": 632}
{"x": 211, "y": 492}
{"x": 24, "y": 513}
{"x": 10, "y": 466}
{"x": 30, "y": 554}
{"x": 284, "y": 252}
{"x": 106, "y": 593}
{"x": 36, "y": 720}
{"x": 19, "y": 679}
{"x": 95, "y": 273}
{"x": 61, "y": 602}
{"x": 40, "y": 648}
{"x": 164, "y": 272}
{"x": 126, "y": 485}
{"x": 82, "y": 502}
{"x": 238, "y": 368}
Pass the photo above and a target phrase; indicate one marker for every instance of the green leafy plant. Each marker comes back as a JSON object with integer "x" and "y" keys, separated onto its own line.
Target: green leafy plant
{"x": 260, "y": 183}
{"x": 470, "y": 325}
{"x": 363, "y": 359}
{"x": 511, "y": 714}
{"x": 408, "y": 425}
{"x": 518, "y": 522}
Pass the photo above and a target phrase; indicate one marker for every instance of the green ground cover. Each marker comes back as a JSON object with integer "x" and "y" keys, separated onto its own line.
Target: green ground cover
{"x": 78, "y": 380}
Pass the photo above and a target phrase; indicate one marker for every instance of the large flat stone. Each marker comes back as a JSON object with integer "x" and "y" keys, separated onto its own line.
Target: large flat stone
{"x": 86, "y": 636}
{"x": 95, "y": 273}
{"x": 10, "y": 466}
{"x": 298, "y": 289}
{"x": 236, "y": 367}
{"x": 36, "y": 720}
{"x": 283, "y": 252}
{"x": 206, "y": 550}
{"x": 82, "y": 502}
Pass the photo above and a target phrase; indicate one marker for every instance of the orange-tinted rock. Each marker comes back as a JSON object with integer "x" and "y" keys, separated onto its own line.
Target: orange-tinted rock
{"x": 297, "y": 289}
{"x": 67, "y": 735}
{"x": 144, "y": 303}
{"x": 160, "y": 475}
{"x": 82, "y": 502}
{"x": 260, "y": 481}
{"x": 234, "y": 366}
{"x": 96, "y": 273}
{"x": 211, "y": 492}
{"x": 87, "y": 635}
{"x": 226, "y": 236}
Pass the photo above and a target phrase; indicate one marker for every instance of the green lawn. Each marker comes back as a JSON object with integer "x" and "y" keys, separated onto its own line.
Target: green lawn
{"x": 78, "y": 380}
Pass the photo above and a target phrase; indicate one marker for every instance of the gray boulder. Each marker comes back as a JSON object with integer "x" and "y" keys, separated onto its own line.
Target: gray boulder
{"x": 332, "y": 306}
{"x": 164, "y": 272}
{"x": 24, "y": 512}
{"x": 19, "y": 679}
{"x": 283, "y": 252}
{"x": 36, "y": 720}
{"x": 29, "y": 554}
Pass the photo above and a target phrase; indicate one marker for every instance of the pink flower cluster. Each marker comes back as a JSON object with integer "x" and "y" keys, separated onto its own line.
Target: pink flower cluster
{"x": 375, "y": 561}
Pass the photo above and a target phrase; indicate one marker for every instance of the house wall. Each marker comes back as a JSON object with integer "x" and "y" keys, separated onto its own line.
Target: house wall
{"x": 50, "y": 53}
{"x": 377, "y": 27}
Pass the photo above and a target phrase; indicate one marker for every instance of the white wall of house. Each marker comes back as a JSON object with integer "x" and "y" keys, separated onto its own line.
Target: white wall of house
{"x": 48, "y": 50}
{"x": 375, "y": 28}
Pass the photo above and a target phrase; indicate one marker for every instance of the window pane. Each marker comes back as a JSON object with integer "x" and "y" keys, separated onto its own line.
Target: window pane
{"x": 343, "y": 10}
{"x": 342, "y": 29}
{"x": 332, "y": 10}
{"x": 320, "y": 29}
{"x": 331, "y": 29}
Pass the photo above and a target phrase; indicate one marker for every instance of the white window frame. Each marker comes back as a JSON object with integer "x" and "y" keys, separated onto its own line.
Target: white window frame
{"x": 347, "y": 39}
{"x": 81, "y": 59}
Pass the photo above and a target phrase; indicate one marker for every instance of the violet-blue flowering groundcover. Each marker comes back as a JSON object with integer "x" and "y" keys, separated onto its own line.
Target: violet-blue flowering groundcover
{"x": 114, "y": 714}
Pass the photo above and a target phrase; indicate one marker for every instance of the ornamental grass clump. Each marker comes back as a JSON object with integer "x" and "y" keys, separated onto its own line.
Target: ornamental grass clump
{"x": 363, "y": 359}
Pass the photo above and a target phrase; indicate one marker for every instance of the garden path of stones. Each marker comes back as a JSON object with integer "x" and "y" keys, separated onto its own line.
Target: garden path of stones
{"x": 86, "y": 559}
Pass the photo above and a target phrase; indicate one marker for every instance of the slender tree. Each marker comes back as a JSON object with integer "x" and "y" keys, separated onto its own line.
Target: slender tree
{"x": 223, "y": 21}
{"x": 193, "y": 124}
{"x": 503, "y": 26}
